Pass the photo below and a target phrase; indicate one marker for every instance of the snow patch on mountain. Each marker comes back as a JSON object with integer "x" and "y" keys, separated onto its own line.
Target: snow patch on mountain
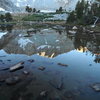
{"x": 1, "y": 9}
{"x": 46, "y": 4}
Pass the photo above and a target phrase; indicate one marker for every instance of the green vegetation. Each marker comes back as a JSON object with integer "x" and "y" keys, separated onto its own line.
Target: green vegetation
{"x": 6, "y": 18}
{"x": 2, "y": 18}
{"x": 85, "y": 13}
{"x": 36, "y": 17}
{"x": 30, "y": 10}
{"x": 60, "y": 11}
{"x": 13, "y": 23}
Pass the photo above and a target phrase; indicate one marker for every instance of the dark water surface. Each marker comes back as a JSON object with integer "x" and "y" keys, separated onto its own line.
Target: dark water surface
{"x": 71, "y": 62}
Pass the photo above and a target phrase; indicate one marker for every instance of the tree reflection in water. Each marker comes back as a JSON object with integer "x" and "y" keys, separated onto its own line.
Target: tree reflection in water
{"x": 6, "y": 27}
{"x": 84, "y": 41}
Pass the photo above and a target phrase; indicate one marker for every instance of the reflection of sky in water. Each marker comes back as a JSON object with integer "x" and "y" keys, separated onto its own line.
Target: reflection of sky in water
{"x": 48, "y": 44}
{"x": 48, "y": 49}
{"x": 2, "y": 34}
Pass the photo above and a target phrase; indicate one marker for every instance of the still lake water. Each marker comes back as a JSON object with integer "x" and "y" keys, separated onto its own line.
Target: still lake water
{"x": 48, "y": 47}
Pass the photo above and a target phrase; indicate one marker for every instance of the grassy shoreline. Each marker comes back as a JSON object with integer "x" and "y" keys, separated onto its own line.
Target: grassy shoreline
{"x": 50, "y": 23}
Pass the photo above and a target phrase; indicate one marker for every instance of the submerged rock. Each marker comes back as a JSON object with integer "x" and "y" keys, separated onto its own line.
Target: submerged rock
{"x": 43, "y": 93}
{"x": 41, "y": 68}
{"x": 16, "y": 67}
{"x": 90, "y": 64}
{"x": 31, "y": 60}
{"x": 26, "y": 72}
{"x": 1, "y": 60}
{"x": 31, "y": 30}
{"x": 42, "y": 96}
{"x": 62, "y": 64}
{"x": 72, "y": 31}
{"x": 4, "y": 69}
{"x": 96, "y": 87}
{"x": 9, "y": 60}
{"x": 2, "y": 80}
{"x": 74, "y": 28}
{"x": 57, "y": 83}
{"x": 12, "y": 80}
{"x": 68, "y": 94}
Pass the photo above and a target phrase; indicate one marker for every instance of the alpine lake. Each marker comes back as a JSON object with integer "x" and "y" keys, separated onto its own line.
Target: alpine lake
{"x": 49, "y": 63}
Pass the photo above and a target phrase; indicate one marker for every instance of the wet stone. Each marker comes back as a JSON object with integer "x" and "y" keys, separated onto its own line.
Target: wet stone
{"x": 5, "y": 69}
{"x": 74, "y": 28}
{"x": 1, "y": 61}
{"x": 63, "y": 64}
{"x": 12, "y": 80}
{"x": 55, "y": 98}
{"x": 3, "y": 56}
{"x": 96, "y": 87}
{"x": 42, "y": 96}
{"x": 43, "y": 93}
{"x": 76, "y": 92}
{"x": 68, "y": 94}
{"x": 2, "y": 80}
{"x": 57, "y": 83}
{"x": 31, "y": 60}
{"x": 26, "y": 72}
{"x": 31, "y": 30}
{"x": 90, "y": 64}
{"x": 9, "y": 60}
{"x": 41, "y": 68}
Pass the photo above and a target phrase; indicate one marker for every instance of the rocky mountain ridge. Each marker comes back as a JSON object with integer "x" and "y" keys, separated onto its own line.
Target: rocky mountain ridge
{"x": 8, "y": 5}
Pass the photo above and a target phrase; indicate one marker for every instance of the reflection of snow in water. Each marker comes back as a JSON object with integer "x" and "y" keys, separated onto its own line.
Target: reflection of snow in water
{"x": 72, "y": 32}
{"x": 2, "y": 34}
{"x": 46, "y": 41}
{"x": 57, "y": 47}
{"x": 20, "y": 35}
{"x": 58, "y": 17}
{"x": 57, "y": 40}
{"x": 23, "y": 42}
{"x": 43, "y": 46}
{"x": 35, "y": 38}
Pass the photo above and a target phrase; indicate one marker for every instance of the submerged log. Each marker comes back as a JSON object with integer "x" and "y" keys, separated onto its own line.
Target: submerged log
{"x": 17, "y": 67}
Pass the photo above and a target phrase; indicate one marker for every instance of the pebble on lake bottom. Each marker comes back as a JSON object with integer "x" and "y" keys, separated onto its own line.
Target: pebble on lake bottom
{"x": 43, "y": 93}
{"x": 63, "y": 64}
{"x": 26, "y": 72}
{"x": 31, "y": 60}
{"x": 41, "y": 68}
{"x": 96, "y": 87}
{"x": 12, "y": 80}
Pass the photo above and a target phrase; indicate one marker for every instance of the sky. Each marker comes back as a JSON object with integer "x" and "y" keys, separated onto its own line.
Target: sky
{"x": 47, "y": 4}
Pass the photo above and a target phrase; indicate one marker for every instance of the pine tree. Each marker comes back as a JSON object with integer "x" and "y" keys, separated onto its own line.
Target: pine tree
{"x": 28, "y": 9}
{"x": 34, "y": 9}
{"x": 71, "y": 17}
{"x": 2, "y": 18}
{"x": 85, "y": 12}
{"x": 8, "y": 17}
{"x": 60, "y": 9}
{"x": 80, "y": 9}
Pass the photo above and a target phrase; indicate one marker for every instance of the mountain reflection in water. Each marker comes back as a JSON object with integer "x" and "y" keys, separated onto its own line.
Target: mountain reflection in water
{"x": 73, "y": 59}
{"x": 46, "y": 42}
